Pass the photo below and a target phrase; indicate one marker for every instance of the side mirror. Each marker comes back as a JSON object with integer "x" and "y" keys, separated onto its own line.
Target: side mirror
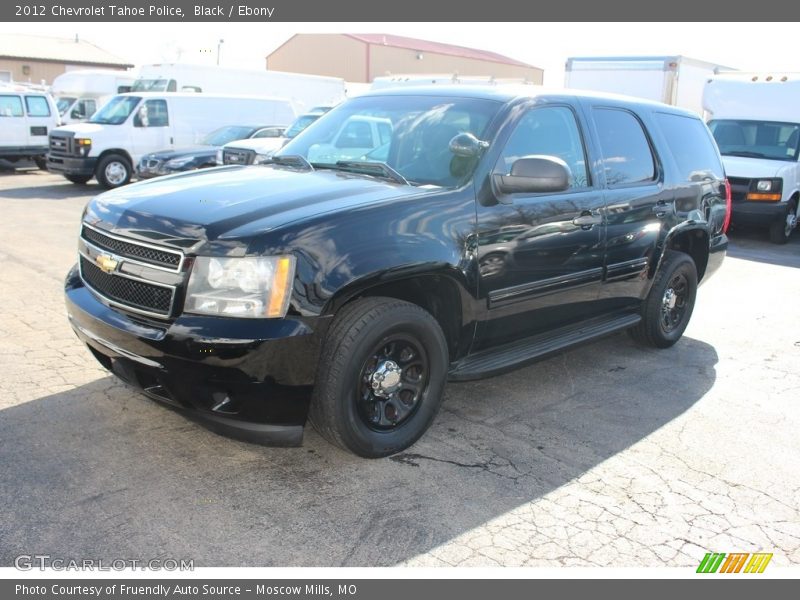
{"x": 467, "y": 145}
{"x": 535, "y": 175}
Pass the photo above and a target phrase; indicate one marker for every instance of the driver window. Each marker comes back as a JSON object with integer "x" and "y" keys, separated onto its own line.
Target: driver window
{"x": 548, "y": 131}
{"x": 152, "y": 113}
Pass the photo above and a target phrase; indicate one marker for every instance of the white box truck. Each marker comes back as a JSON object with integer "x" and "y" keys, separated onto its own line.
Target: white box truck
{"x": 80, "y": 93}
{"x": 27, "y": 116}
{"x": 675, "y": 80}
{"x": 134, "y": 124}
{"x": 755, "y": 119}
{"x": 305, "y": 91}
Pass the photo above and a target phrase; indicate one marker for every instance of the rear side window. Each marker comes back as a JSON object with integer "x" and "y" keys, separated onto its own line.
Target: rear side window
{"x": 10, "y": 106}
{"x": 37, "y": 106}
{"x": 691, "y": 146}
{"x": 627, "y": 157}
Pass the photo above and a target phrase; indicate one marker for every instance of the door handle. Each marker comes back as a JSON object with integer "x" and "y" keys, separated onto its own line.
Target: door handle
{"x": 662, "y": 206}
{"x": 587, "y": 220}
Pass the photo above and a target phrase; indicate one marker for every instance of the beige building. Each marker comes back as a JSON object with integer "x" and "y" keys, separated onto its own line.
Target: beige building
{"x": 40, "y": 59}
{"x": 360, "y": 57}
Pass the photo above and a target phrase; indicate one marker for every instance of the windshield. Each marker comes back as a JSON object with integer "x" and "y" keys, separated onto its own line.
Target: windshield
{"x": 151, "y": 85}
{"x": 300, "y": 124}
{"x": 116, "y": 111}
{"x": 223, "y": 135}
{"x": 63, "y": 103}
{"x": 411, "y": 134}
{"x": 756, "y": 139}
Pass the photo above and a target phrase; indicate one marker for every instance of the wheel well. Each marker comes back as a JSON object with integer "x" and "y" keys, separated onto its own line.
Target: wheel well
{"x": 122, "y": 153}
{"x": 695, "y": 244}
{"x": 436, "y": 294}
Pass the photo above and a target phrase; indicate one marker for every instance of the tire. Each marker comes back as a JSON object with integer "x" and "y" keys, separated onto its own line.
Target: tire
{"x": 781, "y": 231}
{"x": 78, "y": 179}
{"x": 368, "y": 341}
{"x": 675, "y": 284}
{"x": 113, "y": 171}
{"x": 41, "y": 162}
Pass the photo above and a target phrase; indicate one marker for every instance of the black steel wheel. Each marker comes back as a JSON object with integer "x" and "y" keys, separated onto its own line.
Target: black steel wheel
{"x": 380, "y": 378}
{"x": 668, "y": 307}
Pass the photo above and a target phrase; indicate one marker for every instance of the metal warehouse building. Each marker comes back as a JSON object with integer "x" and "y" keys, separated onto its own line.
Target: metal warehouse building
{"x": 37, "y": 59}
{"x": 360, "y": 57}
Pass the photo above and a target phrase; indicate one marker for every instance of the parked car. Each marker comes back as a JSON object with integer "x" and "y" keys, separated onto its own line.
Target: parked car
{"x": 166, "y": 162}
{"x": 27, "y": 115}
{"x": 252, "y": 151}
{"x": 232, "y": 293}
{"x": 755, "y": 120}
{"x": 132, "y": 125}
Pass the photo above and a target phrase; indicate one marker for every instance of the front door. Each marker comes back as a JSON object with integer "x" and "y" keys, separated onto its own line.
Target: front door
{"x": 151, "y": 130}
{"x": 540, "y": 256}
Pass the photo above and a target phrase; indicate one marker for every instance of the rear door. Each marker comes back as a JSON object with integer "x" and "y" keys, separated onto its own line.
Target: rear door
{"x": 637, "y": 202}
{"x": 13, "y": 125}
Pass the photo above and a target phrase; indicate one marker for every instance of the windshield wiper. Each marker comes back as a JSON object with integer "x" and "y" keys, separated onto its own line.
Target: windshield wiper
{"x": 746, "y": 154}
{"x": 373, "y": 168}
{"x": 293, "y": 160}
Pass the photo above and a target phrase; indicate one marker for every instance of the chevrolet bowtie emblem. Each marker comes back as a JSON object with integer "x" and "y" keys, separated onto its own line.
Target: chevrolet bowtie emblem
{"x": 106, "y": 263}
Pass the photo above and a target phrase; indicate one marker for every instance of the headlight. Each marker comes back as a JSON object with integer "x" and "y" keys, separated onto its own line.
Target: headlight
{"x": 250, "y": 287}
{"x": 177, "y": 163}
{"x": 83, "y": 146}
{"x": 262, "y": 158}
{"x": 219, "y": 157}
{"x": 764, "y": 185}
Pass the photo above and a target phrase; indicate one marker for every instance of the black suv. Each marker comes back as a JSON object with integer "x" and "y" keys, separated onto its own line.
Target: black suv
{"x": 496, "y": 226}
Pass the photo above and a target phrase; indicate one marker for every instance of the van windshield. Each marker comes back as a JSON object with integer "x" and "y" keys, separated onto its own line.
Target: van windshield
{"x": 63, "y": 103}
{"x": 772, "y": 140}
{"x": 153, "y": 85}
{"x": 116, "y": 111}
{"x": 410, "y": 134}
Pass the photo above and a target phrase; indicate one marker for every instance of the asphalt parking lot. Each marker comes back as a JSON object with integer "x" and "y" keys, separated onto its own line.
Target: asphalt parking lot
{"x": 608, "y": 455}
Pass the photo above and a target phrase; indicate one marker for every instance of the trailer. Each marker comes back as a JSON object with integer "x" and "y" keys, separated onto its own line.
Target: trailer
{"x": 674, "y": 80}
{"x": 304, "y": 91}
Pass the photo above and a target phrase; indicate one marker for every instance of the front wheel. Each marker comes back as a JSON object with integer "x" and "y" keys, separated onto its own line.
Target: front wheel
{"x": 780, "y": 231}
{"x": 78, "y": 179}
{"x": 668, "y": 307}
{"x": 381, "y": 377}
{"x": 113, "y": 171}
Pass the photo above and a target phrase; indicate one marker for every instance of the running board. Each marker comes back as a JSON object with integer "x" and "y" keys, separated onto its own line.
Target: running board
{"x": 495, "y": 361}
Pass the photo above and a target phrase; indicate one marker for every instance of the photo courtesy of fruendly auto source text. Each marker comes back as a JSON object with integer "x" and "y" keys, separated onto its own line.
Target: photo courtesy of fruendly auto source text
{"x": 371, "y": 301}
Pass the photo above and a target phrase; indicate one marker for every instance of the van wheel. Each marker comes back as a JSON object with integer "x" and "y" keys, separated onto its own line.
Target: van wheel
{"x": 381, "y": 377}
{"x": 41, "y": 162}
{"x": 113, "y": 171}
{"x": 78, "y": 179}
{"x": 668, "y": 307}
{"x": 780, "y": 231}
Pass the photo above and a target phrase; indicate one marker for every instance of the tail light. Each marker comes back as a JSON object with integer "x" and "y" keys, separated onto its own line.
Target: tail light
{"x": 727, "y": 220}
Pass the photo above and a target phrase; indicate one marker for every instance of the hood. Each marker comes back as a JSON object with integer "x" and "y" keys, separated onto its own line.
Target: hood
{"x": 257, "y": 144}
{"x": 233, "y": 202}
{"x": 183, "y": 152}
{"x": 752, "y": 168}
{"x": 83, "y": 129}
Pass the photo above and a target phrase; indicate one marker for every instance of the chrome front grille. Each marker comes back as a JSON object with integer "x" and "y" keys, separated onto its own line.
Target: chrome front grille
{"x": 232, "y": 156}
{"x": 145, "y": 297}
{"x": 60, "y": 144}
{"x": 148, "y": 254}
{"x": 133, "y": 275}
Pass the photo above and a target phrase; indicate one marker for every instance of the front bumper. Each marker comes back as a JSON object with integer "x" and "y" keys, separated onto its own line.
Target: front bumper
{"x": 758, "y": 213}
{"x": 247, "y": 379}
{"x": 71, "y": 165}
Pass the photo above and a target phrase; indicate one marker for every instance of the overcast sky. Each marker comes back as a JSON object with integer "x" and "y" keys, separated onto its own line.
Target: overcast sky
{"x": 747, "y": 46}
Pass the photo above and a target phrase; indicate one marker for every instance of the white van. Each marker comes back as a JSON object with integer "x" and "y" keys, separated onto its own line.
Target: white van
{"x": 80, "y": 93}
{"x": 755, "y": 119}
{"x": 27, "y": 115}
{"x": 132, "y": 125}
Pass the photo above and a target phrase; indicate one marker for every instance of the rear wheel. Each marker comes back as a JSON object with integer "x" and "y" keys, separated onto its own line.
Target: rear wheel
{"x": 381, "y": 377}
{"x": 79, "y": 179}
{"x": 668, "y": 307}
{"x": 41, "y": 162}
{"x": 113, "y": 171}
{"x": 780, "y": 231}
